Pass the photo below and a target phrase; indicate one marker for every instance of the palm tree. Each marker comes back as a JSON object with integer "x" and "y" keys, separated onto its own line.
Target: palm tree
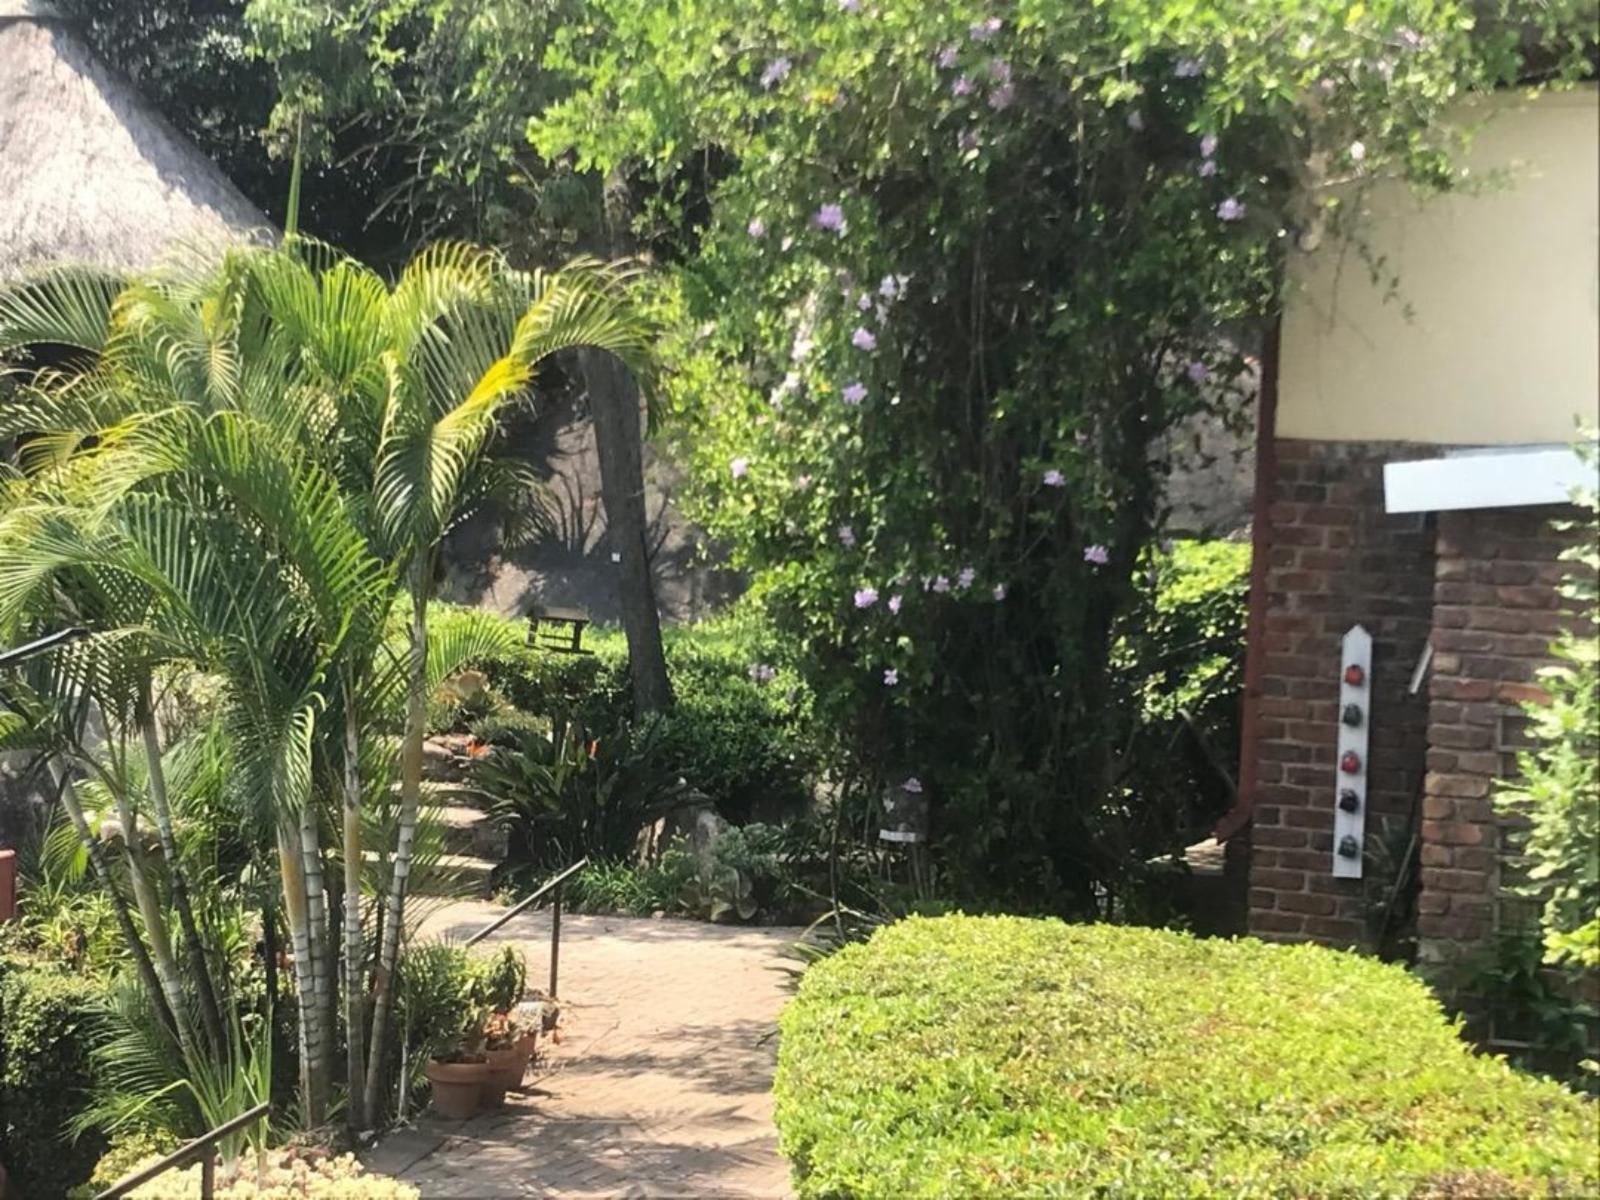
{"x": 265, "y": 452}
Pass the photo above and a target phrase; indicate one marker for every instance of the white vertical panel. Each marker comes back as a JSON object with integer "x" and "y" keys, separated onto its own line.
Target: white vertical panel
{"x": 1353, "y": 739}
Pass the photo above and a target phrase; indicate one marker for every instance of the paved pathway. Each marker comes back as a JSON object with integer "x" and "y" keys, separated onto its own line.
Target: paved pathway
{"x": 660, "y": 1085}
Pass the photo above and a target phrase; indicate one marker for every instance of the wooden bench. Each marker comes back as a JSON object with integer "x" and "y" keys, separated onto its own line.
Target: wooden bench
{"x": 558, "y": 629}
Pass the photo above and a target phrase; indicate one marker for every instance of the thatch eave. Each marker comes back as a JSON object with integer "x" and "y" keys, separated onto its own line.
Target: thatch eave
{"x": 90, "y": 174}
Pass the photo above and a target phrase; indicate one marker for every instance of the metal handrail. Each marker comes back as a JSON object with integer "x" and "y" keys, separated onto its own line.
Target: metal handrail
{"x": 549, "y": 886}
{"x": 187, "y": 1152}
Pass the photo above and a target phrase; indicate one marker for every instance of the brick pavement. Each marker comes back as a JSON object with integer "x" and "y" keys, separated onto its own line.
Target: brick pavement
{"x": 660, "y": 1085}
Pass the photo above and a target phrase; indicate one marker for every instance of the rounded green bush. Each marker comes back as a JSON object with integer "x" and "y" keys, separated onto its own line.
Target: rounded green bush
{"x": 999, "y": 1055}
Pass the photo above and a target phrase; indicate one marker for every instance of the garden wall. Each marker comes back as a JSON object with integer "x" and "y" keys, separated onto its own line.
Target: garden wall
{"x": 1334, "y": 559}
{"x": 1482, "y": 588}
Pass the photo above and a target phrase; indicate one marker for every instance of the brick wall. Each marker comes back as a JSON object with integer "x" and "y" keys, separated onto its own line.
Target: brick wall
{"x": 1496, "y": 608}
{"x": 1335, "y": 558}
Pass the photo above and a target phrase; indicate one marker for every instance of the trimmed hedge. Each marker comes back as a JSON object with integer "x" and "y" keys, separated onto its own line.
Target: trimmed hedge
{"x": 999, "y": 1055}
{"x": 45, "y": 1037}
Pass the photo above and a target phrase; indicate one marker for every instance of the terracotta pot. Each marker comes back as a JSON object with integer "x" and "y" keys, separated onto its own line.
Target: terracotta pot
{"x": 457, "y": 1087}
{"x": 507, "y": 1066}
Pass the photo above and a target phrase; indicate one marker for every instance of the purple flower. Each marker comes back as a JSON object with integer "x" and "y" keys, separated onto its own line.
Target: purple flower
{"x": 968, "y": 141}
{"x": 1197, "y": 372}
{"x": 739, "y": 467}
{"x": 999, "y": 70}
{"x": 854, "y": 394}
{"x": 802, "y": 482}
{"x": 1231, "y": 209}
{"x": 1411, "y": 39}
{"x": 864, "y": 302}
{"x": 762, "y": 673}
{"x": 850, "y": 6}
{"x": 1208, "y": 145}
{"x": 894, "y": 604}
{"x": 891, "y": 286}
{"x": 999, "y": 591}
{"x": 1358, "y": 151}
{"x": 1136, "y": 121}
{"x": 965, "y": 578}
{"x": 847, "y": 536}
{"x": 891, "y": 677}
{"x": 757, "y": 228}
{"x": 1097, "y": 554}
{"x": 1208, "y": 168}
{"x": 777, "y": 71}
{"x": 984, "y": 30}
{"x": 830, "y": 216}
{"x": 1000, "y": 99}
{"x": 1188, "y": 68}
{"x": 941, "y": 583}
{"x": 863, "y": 339}
{"x": 1054, "y": 478}
{"x": 961, "y": 87}
{"x": 947, "y": 57}
{"x": 866, "y": 597}
{"x": 912, "y": 785}
{"x": 1327, "y": 86}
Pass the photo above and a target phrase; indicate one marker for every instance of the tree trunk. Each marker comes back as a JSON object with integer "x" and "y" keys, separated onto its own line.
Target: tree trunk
{"x": 354, "y": 954}
{"x": 119, "y": 906}
{"x": 155, "y": 925}
{"x": 199, "y": 964}
{"x": 614, "y": 405}
{"x": 410, "y": 799}
{"x": 321, "y": 964}
{"x": 296, "y": 909}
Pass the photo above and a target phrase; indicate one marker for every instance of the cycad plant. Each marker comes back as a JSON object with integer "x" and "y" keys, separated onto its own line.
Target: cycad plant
{"x": 238, "y": 468}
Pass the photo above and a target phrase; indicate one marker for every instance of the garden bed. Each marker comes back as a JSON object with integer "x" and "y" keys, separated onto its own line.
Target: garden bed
{"x": 966, "y": 1055}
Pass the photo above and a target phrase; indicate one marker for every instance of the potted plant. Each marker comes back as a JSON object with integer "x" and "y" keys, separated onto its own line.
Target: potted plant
{"x": 460, "y": 1071}
{"x": 458, "y": 1080}
{"x": 507, "y": 1051}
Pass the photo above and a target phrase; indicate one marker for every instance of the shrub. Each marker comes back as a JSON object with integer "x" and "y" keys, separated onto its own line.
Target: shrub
{"x": 571, "y": 795}
{"x": 1559, "y": 786}
{"x": 45, "y": 1039}
{"x": 284, "y": 1175}
{"x": 1000, "y": 1055}
{"x": 741, "y": 741}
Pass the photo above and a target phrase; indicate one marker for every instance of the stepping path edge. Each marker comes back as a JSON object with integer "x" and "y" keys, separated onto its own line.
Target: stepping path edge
{"x": 661, "y": 1085}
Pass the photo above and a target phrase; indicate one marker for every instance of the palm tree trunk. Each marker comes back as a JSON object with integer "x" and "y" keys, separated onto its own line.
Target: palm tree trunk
{"x": 119, "y": 905}
{"x": 210, "y": 1013}
{"x": 354, "y": 953}
{"x": 295, "y": 907}
{"x": 410, "y": 800}
{"x": 155, "y": 924}
{"x": 321, "y": 965}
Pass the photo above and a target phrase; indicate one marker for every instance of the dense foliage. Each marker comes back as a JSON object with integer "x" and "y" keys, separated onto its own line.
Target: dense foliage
{"x": 1002, "y": 1056}
{"x": 947, "y": 272}
{"x": 47, "y": 1017}
{"x": 238, "y": 473}
{"x": 1559, "y": 786}
{"x": 741, "y": 742}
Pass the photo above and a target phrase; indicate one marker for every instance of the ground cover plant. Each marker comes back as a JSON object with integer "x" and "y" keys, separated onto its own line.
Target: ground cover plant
{"x": 966, "y": 1056}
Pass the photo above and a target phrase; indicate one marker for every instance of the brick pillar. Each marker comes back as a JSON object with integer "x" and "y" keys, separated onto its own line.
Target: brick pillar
{"x": 1497, "y": 607}
{"x": 1336, "y": 558}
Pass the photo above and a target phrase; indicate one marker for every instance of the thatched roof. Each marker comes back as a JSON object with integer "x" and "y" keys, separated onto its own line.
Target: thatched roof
{"x": 90, "y": 173}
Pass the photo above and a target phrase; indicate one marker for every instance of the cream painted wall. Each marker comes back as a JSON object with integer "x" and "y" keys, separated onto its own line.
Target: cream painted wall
{"x": 1503, "y": 341}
